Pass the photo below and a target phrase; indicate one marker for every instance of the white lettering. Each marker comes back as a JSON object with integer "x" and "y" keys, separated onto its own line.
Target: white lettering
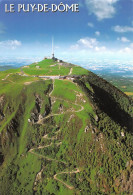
{"x": 10, "y": 8}
{"x": 61, "y": 7}
{"x": 54, "y": 7}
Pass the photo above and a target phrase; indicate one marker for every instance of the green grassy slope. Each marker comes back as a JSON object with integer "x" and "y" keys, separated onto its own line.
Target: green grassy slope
{"x": 51, "y": 67}
{"x": 64, "y": 136}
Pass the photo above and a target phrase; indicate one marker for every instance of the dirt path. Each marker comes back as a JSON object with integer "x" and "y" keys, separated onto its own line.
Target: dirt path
{"x": 52, "y": 89}
{"x": 38, "y": 176}
{"x": 41, "y": 147}
{"x": 6, "y": 76}
{"x": 28, "y": 83}
{"x": 71, "y": 69}
{"x": 67, "y": 172}
{"x": 48, "y": 158}
{"x": 46, "y": 136}
{"x": 50, "y": 115}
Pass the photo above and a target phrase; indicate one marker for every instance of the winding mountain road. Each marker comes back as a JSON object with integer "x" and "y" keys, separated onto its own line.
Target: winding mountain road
{"x": 50, "y": 115}
{"x": 67, "y": 172}
{"x": 6, "y": 76}
{"x": 54, "y": 138}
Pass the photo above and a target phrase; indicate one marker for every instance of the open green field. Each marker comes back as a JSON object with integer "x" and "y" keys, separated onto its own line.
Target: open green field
{"x": 125, "y": 84}
{"x": 46, "y": 67}
{"x": 79, "y": 71}
{"x": 64, "y": 89}
{"x": 52, "y": 68}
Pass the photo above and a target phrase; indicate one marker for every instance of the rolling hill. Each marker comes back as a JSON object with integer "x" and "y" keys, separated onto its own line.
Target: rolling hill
{"x": 63, "y": 130}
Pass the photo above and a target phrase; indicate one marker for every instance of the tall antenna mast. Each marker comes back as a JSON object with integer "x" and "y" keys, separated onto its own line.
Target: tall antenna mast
{"x": 52, "y": 48}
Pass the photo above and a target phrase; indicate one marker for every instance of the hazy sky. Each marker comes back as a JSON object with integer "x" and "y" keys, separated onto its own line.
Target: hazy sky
{"x": 102, "y": 28}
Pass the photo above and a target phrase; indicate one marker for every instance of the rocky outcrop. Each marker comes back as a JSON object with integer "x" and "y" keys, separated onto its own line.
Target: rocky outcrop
{"x": 125, "y": 181}
{"x": 2, "y": 102}
{"x": 36, "y": 114}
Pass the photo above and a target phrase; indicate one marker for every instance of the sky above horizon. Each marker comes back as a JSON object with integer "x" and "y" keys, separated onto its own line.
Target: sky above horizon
{"x": 102, "y": 29}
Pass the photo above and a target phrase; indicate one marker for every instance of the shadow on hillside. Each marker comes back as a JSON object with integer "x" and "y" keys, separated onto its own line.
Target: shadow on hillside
{"x": 1, "y": 158}
{"x": 108, "y": 105}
